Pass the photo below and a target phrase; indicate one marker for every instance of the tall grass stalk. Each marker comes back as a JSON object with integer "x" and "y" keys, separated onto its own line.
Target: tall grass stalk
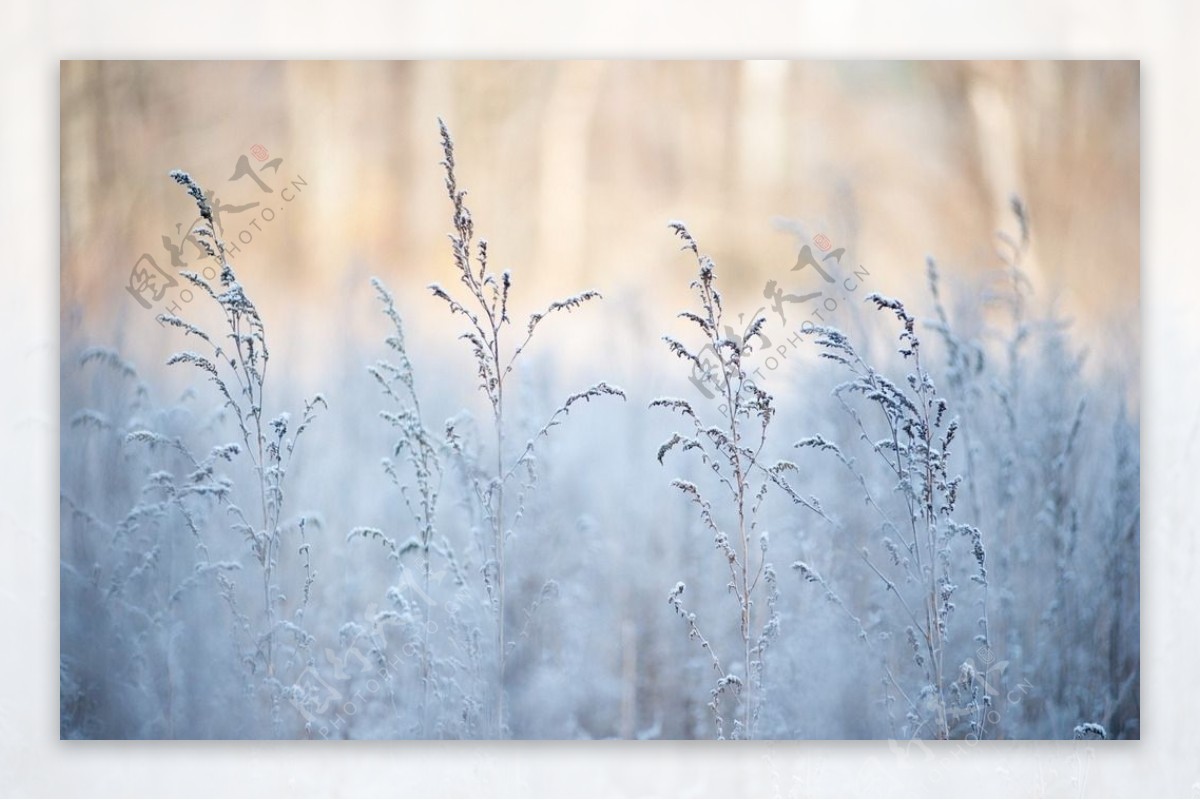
{"x": 484, "y": 304}
{"x": 733, "y": 451}
{"x": 235, "y": 362}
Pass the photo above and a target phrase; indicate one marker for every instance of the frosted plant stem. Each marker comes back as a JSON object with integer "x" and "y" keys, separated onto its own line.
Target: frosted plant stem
{"x": 499, "y": 532}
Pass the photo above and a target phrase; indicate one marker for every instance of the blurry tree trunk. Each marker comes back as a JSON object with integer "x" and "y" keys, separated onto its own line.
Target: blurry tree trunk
{"x": 563, "y": 182}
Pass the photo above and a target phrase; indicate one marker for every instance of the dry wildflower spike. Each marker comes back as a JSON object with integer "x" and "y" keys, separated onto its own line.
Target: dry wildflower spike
{"x": 418, "y": 478}
{"x": 733, "y": 452}
{"x": 914, "y": 447}
{"x": 485, "y": 307}
{"x": 238, "y": 370}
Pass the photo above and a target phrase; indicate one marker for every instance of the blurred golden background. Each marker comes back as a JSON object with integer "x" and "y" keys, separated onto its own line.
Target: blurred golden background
{"x": 574, "y": 168}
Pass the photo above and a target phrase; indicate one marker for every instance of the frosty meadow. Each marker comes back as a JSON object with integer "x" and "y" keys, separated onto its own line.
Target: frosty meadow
{"x": 519, "y": 508}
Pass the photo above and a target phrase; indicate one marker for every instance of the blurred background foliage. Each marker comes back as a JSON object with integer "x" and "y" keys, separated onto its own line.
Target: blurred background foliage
{"x": 575, "y": 167}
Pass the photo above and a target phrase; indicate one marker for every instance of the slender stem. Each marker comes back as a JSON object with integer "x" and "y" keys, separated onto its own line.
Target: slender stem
{"x": 733, "y": 405}
{"x": 498, "y": 520}
{"x": 499, "y": 533}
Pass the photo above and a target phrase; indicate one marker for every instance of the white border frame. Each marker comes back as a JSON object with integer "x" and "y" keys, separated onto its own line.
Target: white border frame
{"x": 1162, "y": 35}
